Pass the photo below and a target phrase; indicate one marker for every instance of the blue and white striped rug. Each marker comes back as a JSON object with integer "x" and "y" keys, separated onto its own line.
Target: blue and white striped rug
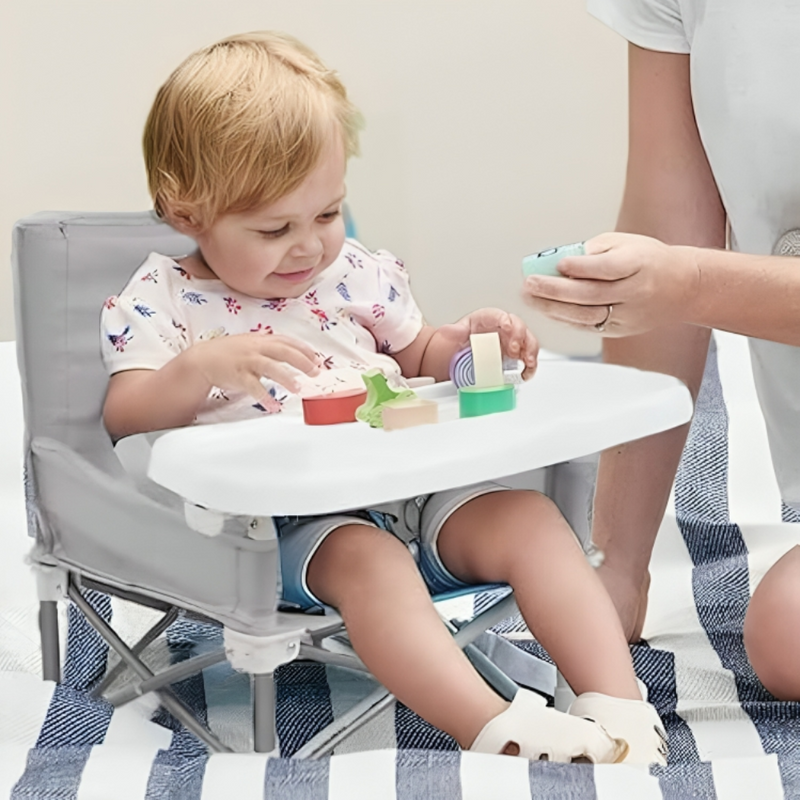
{"x": 728, "y": 737}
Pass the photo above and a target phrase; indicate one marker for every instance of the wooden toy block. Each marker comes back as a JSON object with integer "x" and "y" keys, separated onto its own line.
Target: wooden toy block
{"x": 409, "y": 413}
{"x": 477, "y": 401}
{"x": 333, "y": 408}
{"x": 378, "y": 394}
{"x": 487, "y": 359}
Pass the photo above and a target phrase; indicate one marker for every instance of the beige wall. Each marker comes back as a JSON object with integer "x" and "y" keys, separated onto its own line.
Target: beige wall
{"x": 494, "y": 127}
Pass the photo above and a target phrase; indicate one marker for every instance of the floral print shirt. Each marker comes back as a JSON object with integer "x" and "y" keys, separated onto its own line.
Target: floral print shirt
{"x": 356, "y": 314}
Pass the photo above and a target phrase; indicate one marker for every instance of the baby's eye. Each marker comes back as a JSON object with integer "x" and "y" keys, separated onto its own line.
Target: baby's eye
{"x": 275, "y": 234}
{"x": 330, "y": 215}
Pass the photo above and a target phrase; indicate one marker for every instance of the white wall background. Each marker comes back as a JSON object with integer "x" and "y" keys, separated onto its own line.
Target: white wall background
{"x": 494, "y": 127}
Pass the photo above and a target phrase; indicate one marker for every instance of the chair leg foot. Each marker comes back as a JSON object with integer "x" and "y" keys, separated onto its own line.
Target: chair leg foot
{"x": 264, "y": 739}
{"x": 51, "y": 648}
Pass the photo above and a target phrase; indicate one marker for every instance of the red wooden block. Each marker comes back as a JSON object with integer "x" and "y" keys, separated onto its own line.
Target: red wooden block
{"x": 331, "y": 409}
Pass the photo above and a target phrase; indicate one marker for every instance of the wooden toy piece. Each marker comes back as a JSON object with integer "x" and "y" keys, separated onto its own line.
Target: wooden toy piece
{"x": 546, "y": 262}
{"x": 487, "y": 359}
{"x": 333, "y": 408}
{"x": 409, "y": 413}
{"x": 378, "y": 393}
{"x": 477, "y": 401}
{"x": 462, "y": 371}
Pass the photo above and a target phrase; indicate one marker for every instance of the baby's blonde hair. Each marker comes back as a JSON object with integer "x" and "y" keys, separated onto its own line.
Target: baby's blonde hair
{"x": 241, "y": 124}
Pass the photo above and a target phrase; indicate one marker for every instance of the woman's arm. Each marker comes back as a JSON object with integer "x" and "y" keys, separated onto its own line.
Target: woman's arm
{"x": 670, "y": 194}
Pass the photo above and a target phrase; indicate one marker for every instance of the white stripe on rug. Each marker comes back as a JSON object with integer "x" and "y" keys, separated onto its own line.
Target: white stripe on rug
{"x": 613, "y": 781}
{"x": 24, "y": 700}
{"x": 486, "y": 777}
{"x": 363, "y": 776}
{"x": 240, "y": 774}
{"x": 129, "y": 747}
{"x": 753, "y": 494}
{"x": 739, "y": 778}
{"x": 126, "y": 768}
{"x": 765, "y": 545}
{"x": 707, "y": 697}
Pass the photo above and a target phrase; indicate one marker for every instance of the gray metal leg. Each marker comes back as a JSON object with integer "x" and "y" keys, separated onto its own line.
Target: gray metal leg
{"x": 263, "y": 713}
{"x": 146, "y": 640}
{"x": 173, "y": 674}
{"x": 51, "y": 647}
{"x": 168, "y": 698}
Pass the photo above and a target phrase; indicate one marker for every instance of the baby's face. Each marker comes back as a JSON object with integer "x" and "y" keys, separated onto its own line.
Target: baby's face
{"x": 277, "y": 250}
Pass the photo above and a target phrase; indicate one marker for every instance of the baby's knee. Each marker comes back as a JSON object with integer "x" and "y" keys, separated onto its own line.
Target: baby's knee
{"x": 535, "y": 513}
{"x": 352, "y": 556}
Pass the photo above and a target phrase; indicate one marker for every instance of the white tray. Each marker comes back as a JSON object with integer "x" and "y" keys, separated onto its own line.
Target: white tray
{"x": 278, "y": 465}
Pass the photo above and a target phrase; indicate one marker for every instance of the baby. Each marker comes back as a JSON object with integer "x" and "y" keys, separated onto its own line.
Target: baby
{"x": 246, "y": 147}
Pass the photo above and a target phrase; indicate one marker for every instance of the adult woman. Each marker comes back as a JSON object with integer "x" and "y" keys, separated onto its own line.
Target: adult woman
{"x": 714, "y": 139}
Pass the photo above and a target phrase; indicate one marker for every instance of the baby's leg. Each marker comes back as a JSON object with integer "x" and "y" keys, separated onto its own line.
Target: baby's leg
{"x": 371, "y": 578}
{"x": 521, "y": 538}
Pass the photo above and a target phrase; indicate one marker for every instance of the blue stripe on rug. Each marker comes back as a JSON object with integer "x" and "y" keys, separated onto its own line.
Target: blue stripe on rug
{"x": 682, "y": 781}
{"x": 720, "y": 576}
{"x": 428, "y": 774}
{"x": 656, "y": 669}
{"x": 304, "y": 707}
{"x": 177, "y": 772}
{"x": 414, "y": 733}
{"x": 75, "y": 721}
{"x": 561, "y": 781}
{"x": 298, "y": 780}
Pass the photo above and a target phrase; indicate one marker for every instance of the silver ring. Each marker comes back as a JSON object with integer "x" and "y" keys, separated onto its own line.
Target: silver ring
{"x": 601, "y": 326}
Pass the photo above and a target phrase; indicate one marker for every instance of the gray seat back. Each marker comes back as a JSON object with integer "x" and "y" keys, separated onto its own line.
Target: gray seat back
{"x": 65, "y": 266}
{"x": 86, "y": 513}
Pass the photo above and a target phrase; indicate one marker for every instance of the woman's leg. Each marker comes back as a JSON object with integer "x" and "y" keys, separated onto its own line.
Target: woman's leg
{"x": 371, "y": 578}
{"x": 521, "y": 538}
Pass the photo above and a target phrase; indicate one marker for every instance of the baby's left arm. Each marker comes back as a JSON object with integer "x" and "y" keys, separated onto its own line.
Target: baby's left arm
{"x": 431, "y": 351}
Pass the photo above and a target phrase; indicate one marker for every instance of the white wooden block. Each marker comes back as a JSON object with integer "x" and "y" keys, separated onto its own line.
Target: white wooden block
{"x": 487, "y": 359}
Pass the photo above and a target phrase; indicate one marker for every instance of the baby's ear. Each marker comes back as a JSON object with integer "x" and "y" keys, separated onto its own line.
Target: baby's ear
{"x": 183, "y": 217}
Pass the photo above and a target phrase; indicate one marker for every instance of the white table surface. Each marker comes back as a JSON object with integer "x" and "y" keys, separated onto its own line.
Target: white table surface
{"x": 278, "y": 465}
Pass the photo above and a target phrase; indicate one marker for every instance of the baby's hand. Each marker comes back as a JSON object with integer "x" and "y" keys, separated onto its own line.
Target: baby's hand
{"x": 516, "y": 340}
{"x": 239, "y": 362}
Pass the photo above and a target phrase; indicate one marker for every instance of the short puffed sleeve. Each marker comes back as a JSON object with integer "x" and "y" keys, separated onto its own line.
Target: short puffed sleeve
{"x": 141, "y": 328}
{"x": 381, "y": 298}
{"x": 652, "y": 24}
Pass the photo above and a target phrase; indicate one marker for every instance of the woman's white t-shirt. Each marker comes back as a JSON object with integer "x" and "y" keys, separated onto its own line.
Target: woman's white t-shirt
{"x": 745, "y": 83}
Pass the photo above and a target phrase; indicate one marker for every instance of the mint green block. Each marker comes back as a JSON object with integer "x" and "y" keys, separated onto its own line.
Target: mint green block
{"x": 545, "y": 263}
{"x": 477, "y": 401}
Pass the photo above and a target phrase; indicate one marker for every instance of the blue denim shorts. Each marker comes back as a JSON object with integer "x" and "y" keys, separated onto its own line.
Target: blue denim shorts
{"x": 416, "y": 522}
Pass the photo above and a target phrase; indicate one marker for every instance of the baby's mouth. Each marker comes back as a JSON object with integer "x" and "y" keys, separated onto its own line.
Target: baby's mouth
{"x": 295, "y": 277}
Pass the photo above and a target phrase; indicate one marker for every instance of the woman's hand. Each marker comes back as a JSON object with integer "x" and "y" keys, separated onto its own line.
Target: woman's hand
{"x": 516, "y": 341}
{"x": 627, "y": 284}
{"x": 238, "y": 362}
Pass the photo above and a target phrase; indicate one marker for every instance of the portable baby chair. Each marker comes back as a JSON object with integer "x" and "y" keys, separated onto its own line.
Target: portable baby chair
{"x": 97, "y": 526}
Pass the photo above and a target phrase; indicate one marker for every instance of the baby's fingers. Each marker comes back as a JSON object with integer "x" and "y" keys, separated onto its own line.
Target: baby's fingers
{"x": 512, "y": 332}
{"x": 292, "y": 351}
{"x": 281, "y": 372}
{"x": 529, "y": 355}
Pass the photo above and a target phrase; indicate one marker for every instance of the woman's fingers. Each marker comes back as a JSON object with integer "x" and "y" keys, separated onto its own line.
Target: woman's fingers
{"x": 581, "y": 316}
{"x": 577, "y": 292}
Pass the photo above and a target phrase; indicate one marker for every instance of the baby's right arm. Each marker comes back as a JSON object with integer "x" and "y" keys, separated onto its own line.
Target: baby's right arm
{"x": 140, "y": 400}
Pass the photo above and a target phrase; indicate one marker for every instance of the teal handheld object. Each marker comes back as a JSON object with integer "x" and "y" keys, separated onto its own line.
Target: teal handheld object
{"x": 545, "y": 263}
